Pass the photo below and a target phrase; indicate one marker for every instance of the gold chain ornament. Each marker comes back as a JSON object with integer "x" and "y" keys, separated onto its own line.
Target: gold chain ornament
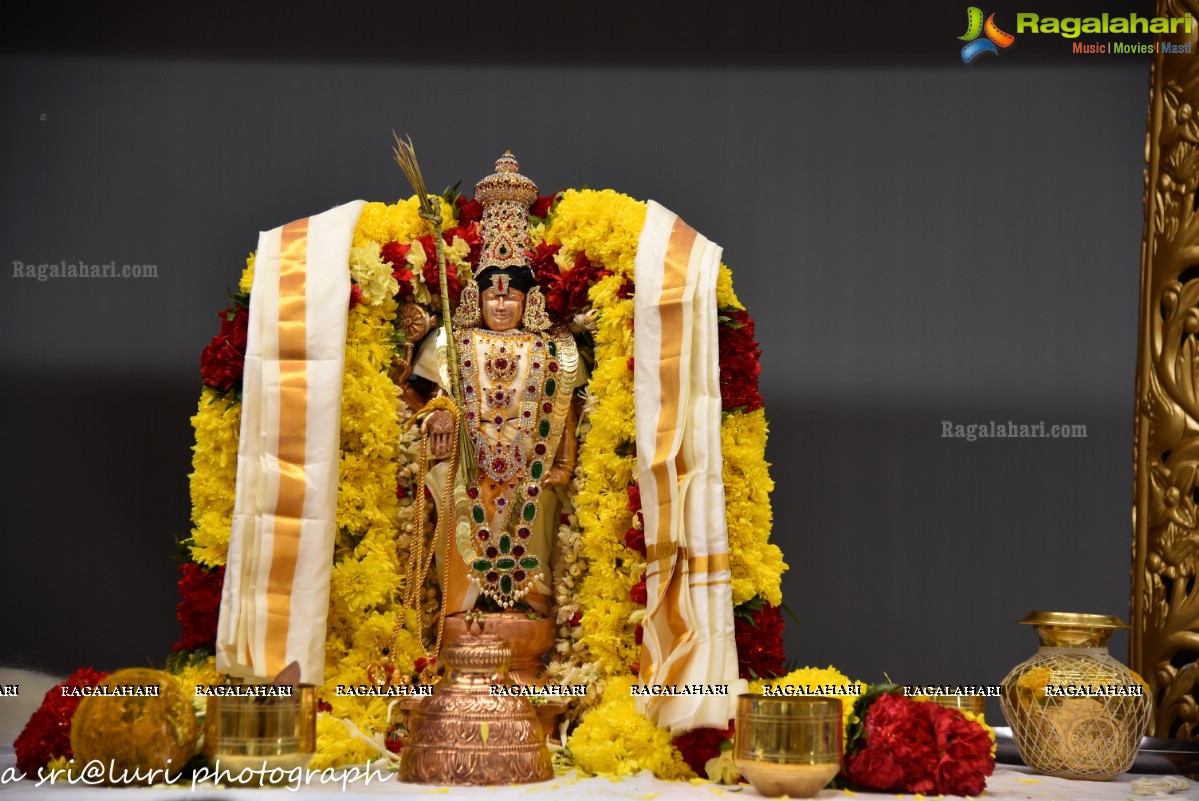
{"x": 420, "y": 553}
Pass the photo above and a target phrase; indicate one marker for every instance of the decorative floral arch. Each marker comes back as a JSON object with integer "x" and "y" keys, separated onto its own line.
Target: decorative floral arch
{"x": 584, "y": 244}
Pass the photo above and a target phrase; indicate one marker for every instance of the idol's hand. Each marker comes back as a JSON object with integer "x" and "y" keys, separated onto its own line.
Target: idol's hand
{"x": 439, "y": 425}
{"x": 558, "y": 476}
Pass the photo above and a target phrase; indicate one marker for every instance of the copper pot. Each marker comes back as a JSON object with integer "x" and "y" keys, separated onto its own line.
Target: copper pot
{"x": 466, "y": 734}
{"x": 529, "y": 638}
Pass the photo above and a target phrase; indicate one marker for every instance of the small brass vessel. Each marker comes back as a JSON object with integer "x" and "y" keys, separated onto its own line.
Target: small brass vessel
{"x": 788, "y": 746}
{"x": 465, "y": 734}
{"x": 259, "y": 739}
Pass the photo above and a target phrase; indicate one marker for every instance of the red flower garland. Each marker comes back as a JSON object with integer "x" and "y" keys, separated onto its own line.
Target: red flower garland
{"x": 638, "y": 593}
{"x": 469, "y": 211}
{"x": 634, "y": 538}
{"x": 47, "y": 735}
{"x": 565, "y": 292}
{"x": 396, "y": 254}
{"x": 739, "y": 363}
{"x": 223, "y": 361}
{"x": 541, "y": 207}
{"x": 200, "y": 607}
{"x": 760, "y": 643}
{"x": 920, "y": 747}
{"x": 634, "y": 493}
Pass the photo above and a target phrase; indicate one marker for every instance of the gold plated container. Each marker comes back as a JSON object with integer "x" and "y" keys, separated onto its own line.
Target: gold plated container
{"x": 1075, "y": 712}
{"x": 465, "y": 734}
{"x": 258, "y": 737}
{"x": 788, "y": 746}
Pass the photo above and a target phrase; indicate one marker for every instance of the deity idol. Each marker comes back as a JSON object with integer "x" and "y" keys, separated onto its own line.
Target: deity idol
{"x": 518, "y": 373}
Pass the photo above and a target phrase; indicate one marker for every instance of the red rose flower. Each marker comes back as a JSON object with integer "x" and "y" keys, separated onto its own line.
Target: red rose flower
{"x": 541, "y": 262}
{"x": 223, "y": 361}
{"x": 403, "y": 277}
{"x": 877, "y": 769}
{"x": 920, "y": 747}
{"x": 47, "y": 735}
{"x": 469, "y": 211}
{"x": 433, "y": 281}
{"x": 394, "y": 253}
{"x": 638, "y": 634}
{"x": 427, "y": 245}
{"x": 431, "y": 275}
{"x": 541, "y": 207}
{"x": 699, "y": 745}
{"x": 200, "y": 608}
{"x": 567, "y": 291}
{"x": 639, "y": 594}
{"x": 635, "y": 539}
{"x": 574, "y": 286}
{"x": 760, "y": 643}
{"x": 634, "y": 498}
{"x": 739, "y": 363}
{"x": 965, "y": 750}
{"x": 355, "y": 295}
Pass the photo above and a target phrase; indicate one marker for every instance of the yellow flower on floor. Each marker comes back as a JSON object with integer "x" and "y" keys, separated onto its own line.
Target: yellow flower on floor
{"x": 615, "y": 739}
{"x": 336, "y": 745}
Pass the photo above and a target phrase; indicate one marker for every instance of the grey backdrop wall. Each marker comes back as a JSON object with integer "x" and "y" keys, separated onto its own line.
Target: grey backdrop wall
{"x": 916, "y": 244}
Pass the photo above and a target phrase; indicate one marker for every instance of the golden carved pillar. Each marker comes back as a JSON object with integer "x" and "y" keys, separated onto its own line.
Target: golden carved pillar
{"x": 1165, "y": 561}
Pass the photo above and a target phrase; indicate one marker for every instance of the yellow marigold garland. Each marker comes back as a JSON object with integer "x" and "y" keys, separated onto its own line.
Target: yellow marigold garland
{"x": 367, "y": 574}
{"x": 756, "y": 564}
{"x": 605, "y": 226}
{"x": 217, "y": 423}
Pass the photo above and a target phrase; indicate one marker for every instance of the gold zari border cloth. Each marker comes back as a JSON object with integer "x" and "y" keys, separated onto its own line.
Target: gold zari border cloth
{"x": 688, "y": 633}
{"x": 276, "y": 595}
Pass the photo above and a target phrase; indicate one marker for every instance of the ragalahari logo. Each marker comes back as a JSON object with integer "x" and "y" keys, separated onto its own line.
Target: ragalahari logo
{"x": 975, "y": 27}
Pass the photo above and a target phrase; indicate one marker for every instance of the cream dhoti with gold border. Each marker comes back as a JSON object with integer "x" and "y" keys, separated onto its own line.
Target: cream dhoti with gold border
{"x": 688, "y": 633}
{"x": 275, "y": 600}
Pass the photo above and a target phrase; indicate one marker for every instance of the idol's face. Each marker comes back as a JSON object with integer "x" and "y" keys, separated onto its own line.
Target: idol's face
{"x": 502, "y": 312}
